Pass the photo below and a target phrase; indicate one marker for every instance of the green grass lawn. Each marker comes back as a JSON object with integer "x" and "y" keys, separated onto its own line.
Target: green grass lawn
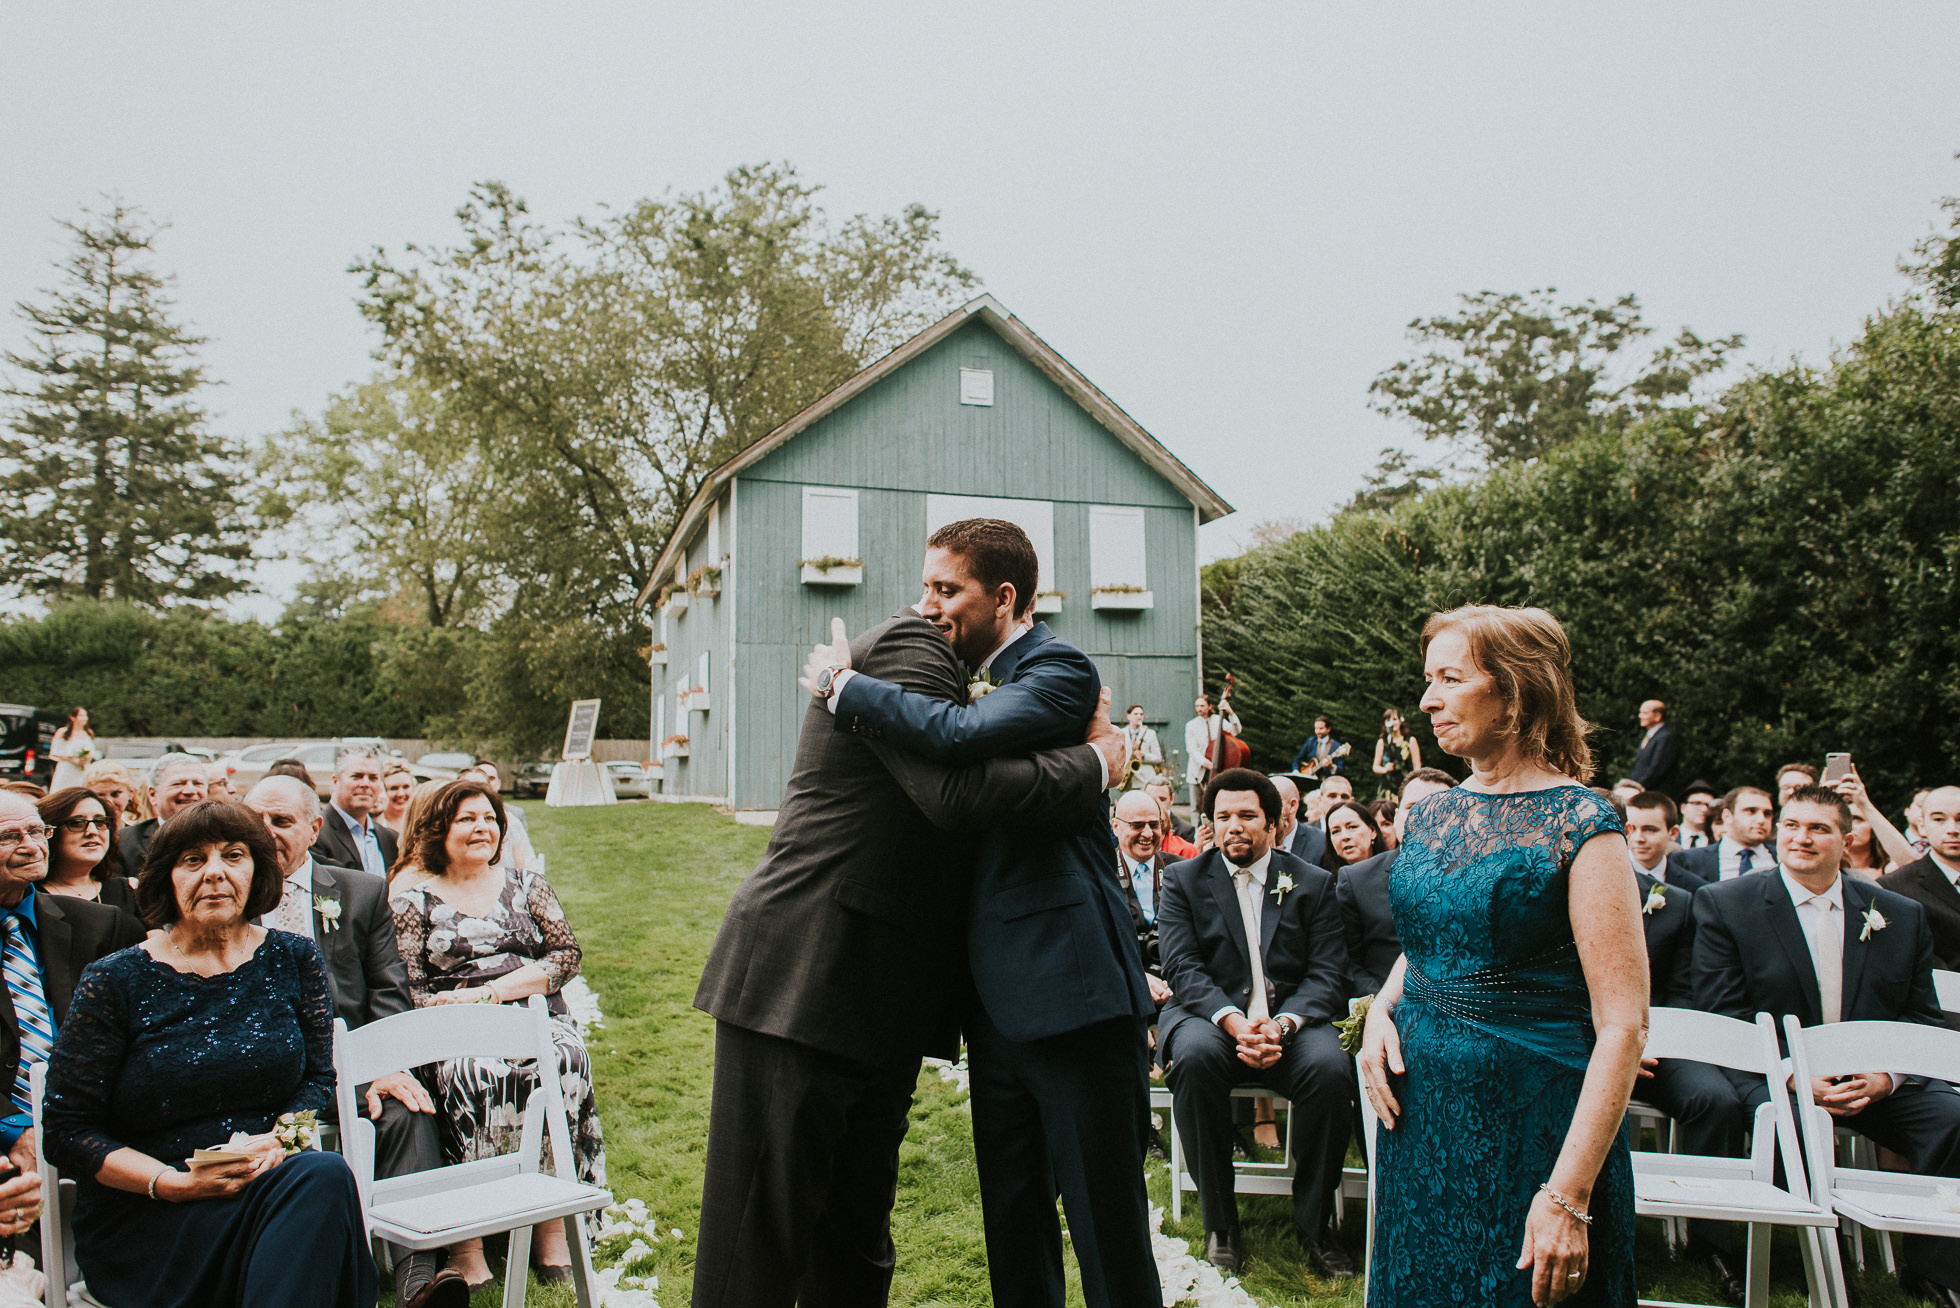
{"x": 645, "y": 886}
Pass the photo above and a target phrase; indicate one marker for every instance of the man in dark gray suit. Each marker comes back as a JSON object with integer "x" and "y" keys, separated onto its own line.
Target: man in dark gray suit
{"x": 842, "y": 962}
{"x": 345, "y": 912}
{"x": 1367, "y": 920}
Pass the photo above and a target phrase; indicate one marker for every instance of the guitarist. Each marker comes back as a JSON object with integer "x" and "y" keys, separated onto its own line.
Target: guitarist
{"x": 1203, "y": 735}
{"x": 1322, "y": 756}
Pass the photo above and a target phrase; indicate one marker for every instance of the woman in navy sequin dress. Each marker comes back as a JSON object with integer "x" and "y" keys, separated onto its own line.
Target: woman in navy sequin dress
{"x": 1502, "y": 1051}
{"x": 211, "y": 1026}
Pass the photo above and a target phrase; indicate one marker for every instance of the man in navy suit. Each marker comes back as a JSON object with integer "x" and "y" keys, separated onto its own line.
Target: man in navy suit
{"x": 1934, "y": 881}
{"x": 1745, "y": 846}
{"x": 1303, "y": 840}
{"x": 1056, "y": 1035}
{"x": 1660, "y": 749}
{"x": 1361, "y": 890}
{"x": 1802, "y": 939}
{"x": 1252, "y": 949}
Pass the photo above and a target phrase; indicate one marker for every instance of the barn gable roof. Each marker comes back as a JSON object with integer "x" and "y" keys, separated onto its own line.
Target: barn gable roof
{"x": 1030, "y": 346}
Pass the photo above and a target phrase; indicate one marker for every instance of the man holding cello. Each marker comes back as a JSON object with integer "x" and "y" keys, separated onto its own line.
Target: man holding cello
{"x": 1211, "y": 741}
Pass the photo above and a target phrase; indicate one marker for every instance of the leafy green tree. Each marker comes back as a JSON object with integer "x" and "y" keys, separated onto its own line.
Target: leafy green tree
{"x": 114, "y": 487}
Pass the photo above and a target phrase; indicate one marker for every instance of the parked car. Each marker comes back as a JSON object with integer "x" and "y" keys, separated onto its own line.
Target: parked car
{"x": 26, "y": 733}
{"x": 629, "y": 779}
{"x": 253, "y": 764}
{"x": 443, "y": 765}
{"x": 531, "y": 780}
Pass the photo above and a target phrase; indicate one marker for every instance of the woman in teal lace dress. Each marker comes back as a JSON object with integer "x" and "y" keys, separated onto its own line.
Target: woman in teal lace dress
{"x": 1502, "y": 1050}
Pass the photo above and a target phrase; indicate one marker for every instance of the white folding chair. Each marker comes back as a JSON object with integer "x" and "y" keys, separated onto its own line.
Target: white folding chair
{"x": 427, "y": 1210}
{"x": 1680, "y": 1186}
{"x": 1247, "y": 1177}
{"x": 65, "y": 1285}
{"x": 1880, "y": 1200}
{"x": 1368, "y": 1127}
{"x": 1946, "y": 988}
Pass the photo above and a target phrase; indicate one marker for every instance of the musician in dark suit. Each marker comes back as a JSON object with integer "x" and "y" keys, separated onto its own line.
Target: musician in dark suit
{"x": 345, "y": 912}
{"x": 49, "y": 939}
{"x": 178, "y": 781}
{"x": 1361, "y": 891}
{"x": 1803, "y": 939}
{"x": 1931, "y": 881}
{"x": 1055, "y": 1041}
{"x": 1700, "y": 1098}
{"x": 1660, "y": 749}
{"x": 1320, "y": 756}
{"x": 350, "y": 836}
{"x": 840, "y": 964}
{"x": 1246, "y": 1012}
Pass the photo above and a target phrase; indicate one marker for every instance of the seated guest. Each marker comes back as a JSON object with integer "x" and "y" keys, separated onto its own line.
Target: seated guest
{"x": 48, "y": 942}
{"x": 1351, "y": 836}
{"x": 1140, "y": 866}
{"x": 82, "y": 862}
{"x": 176, "y": 783}
{"x": 517, "y": 843}
{"x": 356, "y": 937}
{"x": 1913, "y": 836}
{"x": 1699, "y": 1097}
{"x": 33, "y": 791}
{"x": 1804, "y": 939}
{"x": 1875, "y": 845}
{"x": 1252, "y": 949}
{"x": 292, "y": 767}
{"x": 114, "y": 786}
{"x": 1367, "y": 921}
{"x": 1695, "y": 808}
{"x": 471, "y": 931}
{"x": 211, "y": 1026}
{"x": 349, "y": 835}
{"x": 217, "y": 784}
{"x": 1742, "y": 848}
{"x": 397, "y": 784}
{"x": 1792, "y": 777}
{"x": 1931, "y": 881}
{"x": 1304, "y": 841}
{"x": 1160, "y": 789}
{"x": 1383, "y": 812}
{"x": 1334, "y": 790}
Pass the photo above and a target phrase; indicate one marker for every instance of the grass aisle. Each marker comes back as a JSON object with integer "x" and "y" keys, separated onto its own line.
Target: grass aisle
{"x": 645, "y": 886}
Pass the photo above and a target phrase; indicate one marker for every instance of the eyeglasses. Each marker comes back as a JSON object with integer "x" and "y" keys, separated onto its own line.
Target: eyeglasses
{"x": 1149, "y": 824}
{"x": 10, "y": 838}
{"x": 77, "y": 825}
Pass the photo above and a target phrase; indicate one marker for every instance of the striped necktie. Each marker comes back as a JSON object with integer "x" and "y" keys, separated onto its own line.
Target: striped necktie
{"x": 30, "y": 1007}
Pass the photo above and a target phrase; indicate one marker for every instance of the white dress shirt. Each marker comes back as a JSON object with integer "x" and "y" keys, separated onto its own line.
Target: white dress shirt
{"x": 1822, "y": 919}
{"x": 1200, "y": 734}
{"x": 1250, "y": 885}
{"x": 366, "y": 843}
{"x": 1658, "y": 872}
{"x": 1728, "y": 859}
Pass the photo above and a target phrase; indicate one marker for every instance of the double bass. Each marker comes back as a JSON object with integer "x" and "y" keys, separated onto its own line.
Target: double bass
{"x": 1227, "y": 751}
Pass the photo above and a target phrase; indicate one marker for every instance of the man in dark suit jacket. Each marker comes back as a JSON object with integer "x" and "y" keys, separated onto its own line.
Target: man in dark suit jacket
{"x": 1764, "y": 943}
{"x": 345, "y": 912}
{"x": 1303, "y": 840}
{"x": 1140, "y": 868}
{"x": 840, "y": 964}
{"x": 1660, "y": 749}
{"x": 177, "y": 782}
{"x": 1060, "y": 1068}
{"x": 65, "y": 935}
{"x": 1161, "y": 788}
{"x": 1367, "y": 919}
{"x": 1749, "y": 822}
{"x": 348, "y": 825}
{"x": 1237, "y": 1017}
{"x": 1930, "y": 881}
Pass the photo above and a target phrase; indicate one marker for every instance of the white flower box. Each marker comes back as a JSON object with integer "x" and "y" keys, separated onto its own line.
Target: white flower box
{"x": 1121, "y": 601}
{"x": 673, "y": 750}
{"x": 657, "y": 659}
{"x": 656, "y": 768}
{"x": 697, "y": 701}
{"x": 848, "y": 576}
{"x": 677, "y": 603}
{"x": 1048, "y": 602}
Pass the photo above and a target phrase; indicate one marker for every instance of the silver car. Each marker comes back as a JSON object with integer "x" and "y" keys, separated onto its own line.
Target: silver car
{"x": 629, "y": 779}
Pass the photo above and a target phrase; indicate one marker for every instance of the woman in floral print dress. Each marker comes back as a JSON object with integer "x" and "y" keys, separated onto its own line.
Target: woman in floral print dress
{"x": 472, "y": 931}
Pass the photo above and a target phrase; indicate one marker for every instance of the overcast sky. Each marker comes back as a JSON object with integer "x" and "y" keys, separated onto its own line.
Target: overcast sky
{"x": 1225, "y": 215}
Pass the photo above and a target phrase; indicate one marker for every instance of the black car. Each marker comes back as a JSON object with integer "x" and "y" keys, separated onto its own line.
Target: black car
{"x": 531, "y": 780}
{"x": 26, "y": 735}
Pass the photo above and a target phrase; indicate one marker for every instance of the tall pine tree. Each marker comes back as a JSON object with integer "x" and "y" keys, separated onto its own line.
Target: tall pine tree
{"x": 111, "y": 484}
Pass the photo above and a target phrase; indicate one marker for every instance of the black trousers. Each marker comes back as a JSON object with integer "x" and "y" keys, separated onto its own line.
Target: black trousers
{"x": 404, "y": 1142}
{"x": 1064, "y": 1115}
{"x": 1923, "y": 1123}
{"x": 1314, "y": 1075}
{"x": 802, "y": 1170}
{"x": 1708, "y": 1109}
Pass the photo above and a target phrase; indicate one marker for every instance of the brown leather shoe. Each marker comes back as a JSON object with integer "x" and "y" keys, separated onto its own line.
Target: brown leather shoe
{"x": 447, "y": 1290}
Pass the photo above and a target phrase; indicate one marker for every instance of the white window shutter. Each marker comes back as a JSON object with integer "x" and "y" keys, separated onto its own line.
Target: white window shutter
{"x": 1116, "y": 546}
{"x": 1035, "y": 517}
{"x": 830, "y": 522}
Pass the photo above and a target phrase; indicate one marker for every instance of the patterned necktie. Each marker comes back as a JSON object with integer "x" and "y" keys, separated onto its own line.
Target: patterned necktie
{"x": 291, "y": 913}
{"x": 30, "y": 1007}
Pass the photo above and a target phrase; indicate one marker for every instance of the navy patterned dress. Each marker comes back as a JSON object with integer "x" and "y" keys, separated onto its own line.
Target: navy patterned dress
{"x": 1496, "y": 1029}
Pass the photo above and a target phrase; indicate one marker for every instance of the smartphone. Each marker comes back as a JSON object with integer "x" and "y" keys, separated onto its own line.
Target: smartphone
{"x": 1836, "y": 768}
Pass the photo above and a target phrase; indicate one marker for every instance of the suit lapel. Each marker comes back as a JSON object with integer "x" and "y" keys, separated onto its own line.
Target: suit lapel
{"x": 1782, "y": 915}
{"x": 57, "y": 948}
{"x": 1009, "y": 659}
{"x": 326, "y": 887}
{"x": 1857, "y": 899}
{"x": 1217, "y": 872}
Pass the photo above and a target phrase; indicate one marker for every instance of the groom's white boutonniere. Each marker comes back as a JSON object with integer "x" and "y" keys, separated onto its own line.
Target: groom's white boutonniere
{"x": 982, "y": 685}
{"x": 329, "y": 910}
{"x": 1656, "y": 899}
{"x": 1874, "y": 922}
{"x": 1281, "y": 886}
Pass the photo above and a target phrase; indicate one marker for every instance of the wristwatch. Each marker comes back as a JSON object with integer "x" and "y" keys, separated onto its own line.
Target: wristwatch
{"x": 825, "y": 680}
{"x": 1287, "y": 1026}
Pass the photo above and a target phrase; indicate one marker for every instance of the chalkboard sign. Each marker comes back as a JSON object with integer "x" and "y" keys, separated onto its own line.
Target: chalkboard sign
{"x": 581, "y": 729}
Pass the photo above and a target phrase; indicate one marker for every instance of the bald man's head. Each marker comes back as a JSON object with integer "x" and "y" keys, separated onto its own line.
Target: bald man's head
{"x": 1139, "y": 825}
{"x": 1289, "y": 802}
{"x": 1939, "y": 822}
{"x": 291, "y": 813}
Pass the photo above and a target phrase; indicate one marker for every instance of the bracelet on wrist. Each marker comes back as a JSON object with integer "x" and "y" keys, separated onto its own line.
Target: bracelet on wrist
{"x": 1571, "y": 1209}
{"x": 154, "y": 1179}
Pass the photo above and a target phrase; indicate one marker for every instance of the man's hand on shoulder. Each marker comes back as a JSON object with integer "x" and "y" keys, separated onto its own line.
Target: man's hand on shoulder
{"x": 828, "y": 659}
{"x": 1106, "y": 738}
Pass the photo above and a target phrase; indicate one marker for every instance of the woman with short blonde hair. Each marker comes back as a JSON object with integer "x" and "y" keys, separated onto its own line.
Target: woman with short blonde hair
{"x": 1502, "y": 1050}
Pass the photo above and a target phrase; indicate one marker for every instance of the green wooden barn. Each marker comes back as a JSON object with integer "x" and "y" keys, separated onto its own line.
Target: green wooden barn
{"x": 828, "y": 516}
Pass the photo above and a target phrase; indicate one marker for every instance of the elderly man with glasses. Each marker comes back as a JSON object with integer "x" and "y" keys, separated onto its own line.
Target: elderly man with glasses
{"x": 177, "y": 782}
{"x": 49, "y": 939}
{"x": 1139, "y": 827}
